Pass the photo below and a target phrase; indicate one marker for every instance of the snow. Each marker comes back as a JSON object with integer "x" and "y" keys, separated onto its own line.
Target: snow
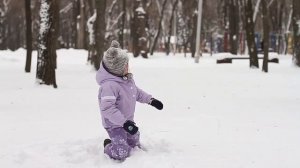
{"x": 173, "y": 39}
{"x": 140, "y": 10}
{"x": 234, "y": 37}
{"x": 5, "y": 7}
{"x": 215, "y": 115}
{"x": 249, "y": 21}
{"x": 298, "y": 24}
{"x": 90, "y": 25}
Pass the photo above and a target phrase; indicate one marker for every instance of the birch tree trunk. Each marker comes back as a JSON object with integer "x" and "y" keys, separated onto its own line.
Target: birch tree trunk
{"x": 45, "y": 73}
{"x": 92, "y": 41}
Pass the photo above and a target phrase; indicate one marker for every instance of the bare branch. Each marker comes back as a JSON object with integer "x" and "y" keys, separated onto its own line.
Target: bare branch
{"x": 6, "y": 3}
{"x": 256, "y": 10}
{"x": 112, "y": 7}
{"x": 270, "y": 3}
{"x": 115, "y": 21}
{"x": 66, "y": 8}
{"x": 158, "y": 7}
{"x": 289, "y": 21}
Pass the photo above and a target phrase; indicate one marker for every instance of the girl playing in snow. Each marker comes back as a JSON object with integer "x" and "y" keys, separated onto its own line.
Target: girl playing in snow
{"x": 117, "y": 98}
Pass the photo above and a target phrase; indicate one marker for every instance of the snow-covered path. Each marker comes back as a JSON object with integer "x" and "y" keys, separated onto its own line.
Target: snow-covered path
{"x": 215, "y": 116}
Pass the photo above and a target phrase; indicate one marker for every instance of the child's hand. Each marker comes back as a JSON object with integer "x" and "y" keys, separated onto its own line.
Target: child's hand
{"x": 156, "y": 103}
{"x": 130, "y": 127}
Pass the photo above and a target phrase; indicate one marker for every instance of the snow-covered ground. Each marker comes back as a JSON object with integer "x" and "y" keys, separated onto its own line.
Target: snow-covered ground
{"x": 215, "y": 116}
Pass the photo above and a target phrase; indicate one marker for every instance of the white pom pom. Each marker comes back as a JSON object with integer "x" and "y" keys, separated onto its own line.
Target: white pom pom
{"x": 115, "y": 44}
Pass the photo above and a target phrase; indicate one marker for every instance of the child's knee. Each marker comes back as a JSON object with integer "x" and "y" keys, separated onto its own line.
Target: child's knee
{"x": 121, "y": 152}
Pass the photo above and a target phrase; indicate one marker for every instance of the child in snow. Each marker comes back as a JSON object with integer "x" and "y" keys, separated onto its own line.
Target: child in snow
{"x": 117, "y": 98}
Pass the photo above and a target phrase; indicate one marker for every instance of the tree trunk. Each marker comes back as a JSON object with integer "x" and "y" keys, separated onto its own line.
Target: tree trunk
{"x": 100, "y": 33}
{"x": 121, "y": 34}
{"x": 233, "y": 26}
{"x": 28, "y": 36}
{"x": 47, "y": 49}
{"x": 281, "y": 34}
{"x": 170, "y": 27}
{"x": 91, "y": 4}
{"x": 92, "y": 41}
{"x": 74, "y": 24}
{"x": 225, "y": 25}
{"x": 296, "y": 27}
{"x": 266, "y": 30}
{"x": 81, "y": 41}
{"x": 159, "y": 27}
{"x": 56, "y": 30}
{"x": 249, "y": 27}
{"x": 140, "y": 32}
{"x": 193, "y": 37}
{"x": 3, "y": 26}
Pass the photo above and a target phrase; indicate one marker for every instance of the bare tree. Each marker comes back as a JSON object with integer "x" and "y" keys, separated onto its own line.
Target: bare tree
{"x": 276, "y": 9}
{"x": 296, "y": 27}
{"x": 47, "y": 39}
{"x": 182, "y": 29}
{"x": 100, "y": 33}
{"x": 92, "y": 41}
{"x": 3, "y": 23}
{"x": 266, "y": 30}
{"x": 174, "y": 5}
{"x": 74, "y": 34}
{"x": 233, "y": 26}
{"x": 139, "y": 30}
{"x": 256, "y": 10}
{"x": 190, "y": 12}
{"x": 161, "y": 15}
{"x": 225, "y": 24}
{"x": 28, "y": 35}
{"x": 81, "y": 41}
{"x": 249, "y": 27}
{"x": 121, "y": 32}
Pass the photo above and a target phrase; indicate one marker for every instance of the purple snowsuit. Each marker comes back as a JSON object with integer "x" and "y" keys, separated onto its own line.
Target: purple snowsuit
{"x": 117, "y": 98}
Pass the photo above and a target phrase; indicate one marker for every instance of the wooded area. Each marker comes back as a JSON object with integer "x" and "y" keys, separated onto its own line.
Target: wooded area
{"x": 147, "y": 26}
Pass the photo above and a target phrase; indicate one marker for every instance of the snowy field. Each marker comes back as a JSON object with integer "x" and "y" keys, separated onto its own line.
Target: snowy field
{"x": 215, "y": 116}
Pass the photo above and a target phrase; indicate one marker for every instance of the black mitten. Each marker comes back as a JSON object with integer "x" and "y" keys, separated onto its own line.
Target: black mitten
{"x": 130, "y": 127}
{"x": 156, "y": 103}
